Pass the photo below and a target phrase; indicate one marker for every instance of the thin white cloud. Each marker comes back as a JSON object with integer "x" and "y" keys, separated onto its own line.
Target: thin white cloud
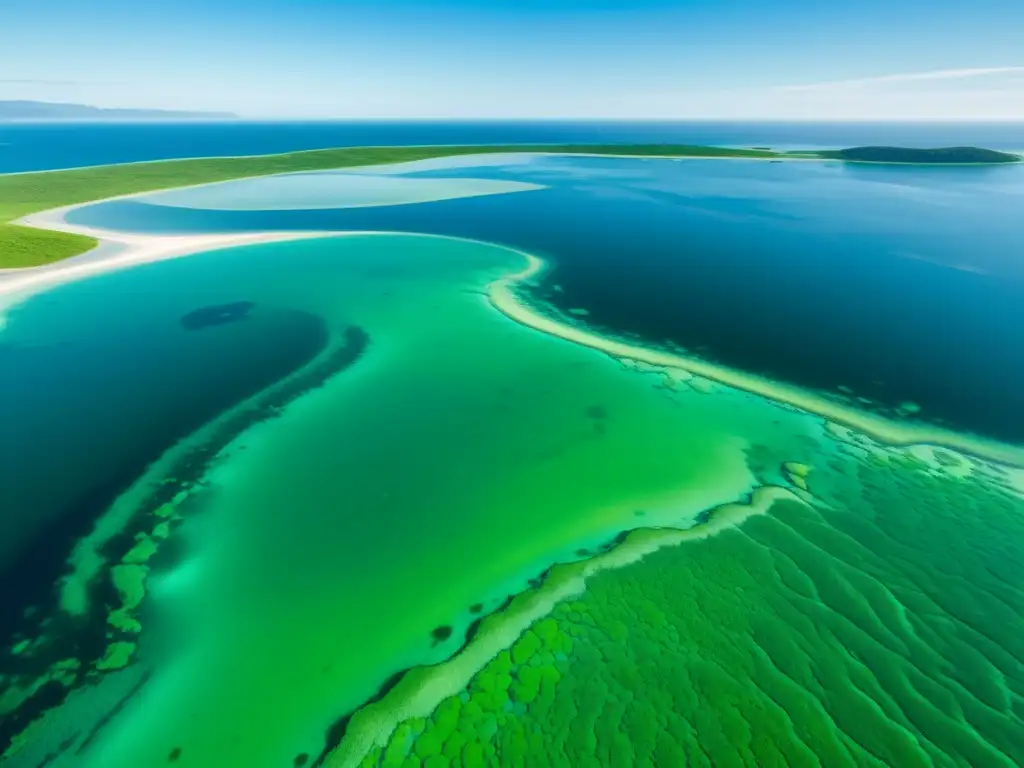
{"x": 39, "y": 82}
{"x": 43, "y": 82}
{"x": 909, "y": 77}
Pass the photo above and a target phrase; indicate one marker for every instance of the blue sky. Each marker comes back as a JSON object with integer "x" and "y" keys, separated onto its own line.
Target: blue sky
{"x": 797, "y": 59}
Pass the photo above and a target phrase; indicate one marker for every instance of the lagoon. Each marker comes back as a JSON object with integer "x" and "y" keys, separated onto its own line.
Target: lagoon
{"x": 375, "y": 468}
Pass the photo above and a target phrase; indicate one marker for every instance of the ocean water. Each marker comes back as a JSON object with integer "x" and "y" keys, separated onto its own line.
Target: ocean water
{"x": 871, "y": 283}
{"x": 333, "y": 502}
{"x": 47, "y": 146}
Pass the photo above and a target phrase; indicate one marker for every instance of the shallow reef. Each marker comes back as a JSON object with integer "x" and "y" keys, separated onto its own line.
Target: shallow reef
{"x": 877, "y": 626}
{"x": 93, "y": 627}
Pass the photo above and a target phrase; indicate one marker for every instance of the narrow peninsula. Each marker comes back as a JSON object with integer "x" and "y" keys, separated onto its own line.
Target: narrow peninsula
{"x": 50, "y": 111}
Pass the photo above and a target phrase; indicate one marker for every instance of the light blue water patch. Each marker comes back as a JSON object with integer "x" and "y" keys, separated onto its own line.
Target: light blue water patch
{"x": 322, "y": 190}
{"x": 489, "y": 160}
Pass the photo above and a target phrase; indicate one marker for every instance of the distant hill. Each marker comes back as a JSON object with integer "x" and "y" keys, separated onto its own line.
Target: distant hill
{"x": 45, "y": 110}
{"x": 941, "y": 155}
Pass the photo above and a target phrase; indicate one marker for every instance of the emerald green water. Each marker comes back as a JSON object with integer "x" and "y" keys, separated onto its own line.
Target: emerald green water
{"x": 288, "y": 473}
{"x": 455, "y": 461}
{"x": 878, "y": 628}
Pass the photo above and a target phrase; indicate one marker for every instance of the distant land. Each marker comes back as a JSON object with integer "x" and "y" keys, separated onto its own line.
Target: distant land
{"x": 46, "y": 110}
{"x": 938, "y": 156}
{"x": 23, "y": 194}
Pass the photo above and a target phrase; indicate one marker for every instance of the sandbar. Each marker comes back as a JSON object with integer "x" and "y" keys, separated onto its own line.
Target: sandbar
{"x": 116, "y": 250}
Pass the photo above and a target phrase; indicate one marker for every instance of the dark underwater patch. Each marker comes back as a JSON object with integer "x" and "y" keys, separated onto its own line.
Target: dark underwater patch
{"x": 217, "y": 314}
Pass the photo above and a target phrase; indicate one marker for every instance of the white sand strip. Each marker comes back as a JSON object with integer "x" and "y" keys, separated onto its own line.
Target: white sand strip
{"x": 503, "y": 295}
{"x": 116, "y": 250}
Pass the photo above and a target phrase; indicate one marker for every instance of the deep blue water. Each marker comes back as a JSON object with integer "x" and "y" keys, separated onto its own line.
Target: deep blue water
{"x": 902, "y": 283}
{"x": 47, "y": 146}
{"x": 91, "y": 393}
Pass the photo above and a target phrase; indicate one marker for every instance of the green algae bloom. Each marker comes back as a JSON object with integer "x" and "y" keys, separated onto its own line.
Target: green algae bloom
{"x": 825, "y": 635}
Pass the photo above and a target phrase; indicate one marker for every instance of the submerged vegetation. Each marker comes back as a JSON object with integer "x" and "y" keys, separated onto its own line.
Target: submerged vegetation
{"x": 827, "y": 634}
{"x": 102, "y": 605}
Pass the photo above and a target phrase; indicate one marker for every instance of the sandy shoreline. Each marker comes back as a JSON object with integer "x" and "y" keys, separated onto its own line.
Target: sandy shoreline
{"x": 502, "y": 294}
{"x": 115, "y": 250}
{"x": 118, "y": 250}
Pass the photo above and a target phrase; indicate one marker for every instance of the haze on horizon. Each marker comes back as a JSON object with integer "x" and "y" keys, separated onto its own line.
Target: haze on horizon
{"x": 657, "y": 59}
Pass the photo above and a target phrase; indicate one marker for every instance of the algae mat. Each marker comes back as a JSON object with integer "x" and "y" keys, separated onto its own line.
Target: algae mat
{"x": 879, "y": 626}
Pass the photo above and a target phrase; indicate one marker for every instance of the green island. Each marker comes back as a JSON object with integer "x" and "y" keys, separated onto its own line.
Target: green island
{"x": 28, "y": 193}
{"x": 936, "y": 156}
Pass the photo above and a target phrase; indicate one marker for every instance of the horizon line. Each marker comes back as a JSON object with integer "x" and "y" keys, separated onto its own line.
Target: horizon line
{"x": 506, "y": 119}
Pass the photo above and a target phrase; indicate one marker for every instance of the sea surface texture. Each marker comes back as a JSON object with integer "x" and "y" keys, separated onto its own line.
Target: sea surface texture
{"x": 535, "y": 460}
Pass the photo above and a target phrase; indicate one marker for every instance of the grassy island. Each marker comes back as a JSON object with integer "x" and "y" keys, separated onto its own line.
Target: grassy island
{"x": 27, "y": 193}
{"x": 937, "y": 156}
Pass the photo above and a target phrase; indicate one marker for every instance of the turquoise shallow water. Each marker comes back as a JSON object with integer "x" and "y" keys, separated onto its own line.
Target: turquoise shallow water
{"x": 403, "y": 458}
{"x": 311, "y": 191}
{"x": 457, "y": 459}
